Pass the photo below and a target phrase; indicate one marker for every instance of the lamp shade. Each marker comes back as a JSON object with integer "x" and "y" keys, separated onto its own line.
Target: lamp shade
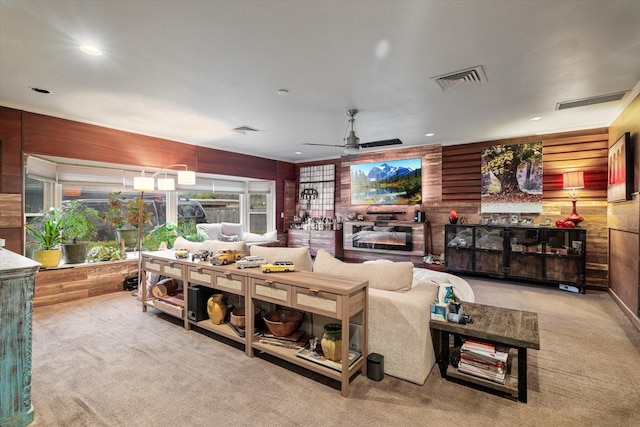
{"x": 572, "y": 180}
{"x": 186, "y": 177}
{"x": 166, "y": 184}
{"x": 143, "y": 183}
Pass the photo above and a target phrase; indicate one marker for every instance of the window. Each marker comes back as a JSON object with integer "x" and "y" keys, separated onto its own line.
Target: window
{"x": 319, "y": 181}
{"x": 211, "y": 199}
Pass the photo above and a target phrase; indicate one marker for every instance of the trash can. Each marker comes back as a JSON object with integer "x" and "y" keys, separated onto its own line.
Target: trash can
{"x": 375, "y": 367}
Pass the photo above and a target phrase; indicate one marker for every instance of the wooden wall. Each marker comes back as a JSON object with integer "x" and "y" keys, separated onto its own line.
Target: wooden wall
{"x": 23, "y": 133}
{"x": 624, "y": 224}
{"x": 452, "y": 180}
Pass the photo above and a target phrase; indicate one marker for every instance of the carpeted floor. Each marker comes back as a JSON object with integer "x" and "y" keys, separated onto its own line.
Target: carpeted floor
{"x": 102, "y": 362}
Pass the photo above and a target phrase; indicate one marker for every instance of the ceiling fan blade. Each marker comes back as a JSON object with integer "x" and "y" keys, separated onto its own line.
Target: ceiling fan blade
{"x": 323, "y": 145}
{"x": 381, "y": 143}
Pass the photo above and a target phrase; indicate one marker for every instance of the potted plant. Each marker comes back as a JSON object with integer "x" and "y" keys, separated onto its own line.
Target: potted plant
{"x": 48, "y": 235}
{"x": 79, "y": 227}
{"x": 125, "y": 216}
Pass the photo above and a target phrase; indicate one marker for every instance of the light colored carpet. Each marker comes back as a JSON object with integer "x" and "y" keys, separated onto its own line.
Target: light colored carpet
{"x": 102, "y": 362}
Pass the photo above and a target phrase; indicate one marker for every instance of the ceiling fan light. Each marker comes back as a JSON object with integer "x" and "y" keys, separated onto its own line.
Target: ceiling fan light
{"x": 351, "y": 150}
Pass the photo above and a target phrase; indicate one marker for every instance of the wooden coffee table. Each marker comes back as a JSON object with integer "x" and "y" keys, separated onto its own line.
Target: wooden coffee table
{"x": 513, "y": 328}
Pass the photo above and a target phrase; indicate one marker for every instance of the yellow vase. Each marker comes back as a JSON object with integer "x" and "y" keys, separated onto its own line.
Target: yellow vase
{"x": 331, "y": 341}
{"x": 217, "y": 309}
{"x": 48, "y": 257}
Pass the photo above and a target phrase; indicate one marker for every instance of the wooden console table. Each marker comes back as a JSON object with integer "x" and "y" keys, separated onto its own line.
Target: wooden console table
{"x": 513, "y": 328}
{"x": 326, "y": 295}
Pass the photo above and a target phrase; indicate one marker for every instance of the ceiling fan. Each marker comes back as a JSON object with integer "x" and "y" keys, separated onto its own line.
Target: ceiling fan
{"x": 352, "y": 142}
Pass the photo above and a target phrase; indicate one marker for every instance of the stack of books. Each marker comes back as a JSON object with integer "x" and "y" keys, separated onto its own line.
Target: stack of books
{"x": 483, "y": 360}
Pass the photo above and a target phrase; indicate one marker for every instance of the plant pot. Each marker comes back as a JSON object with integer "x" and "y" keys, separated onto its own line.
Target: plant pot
{"x": 48, "y": 257}
{"x": 130, "y": 238}
{"x": 75, "y": 253}
{"x": 331, "y": 341}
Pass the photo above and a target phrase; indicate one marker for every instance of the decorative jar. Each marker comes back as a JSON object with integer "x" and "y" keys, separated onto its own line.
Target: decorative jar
{"x": 217, "y": 309}
{"x": 331, "y": 341}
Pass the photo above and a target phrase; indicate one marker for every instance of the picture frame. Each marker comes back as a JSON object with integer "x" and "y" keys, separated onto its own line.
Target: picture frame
{"x": 527, "y": 220}
{"x": 620, "y": 170}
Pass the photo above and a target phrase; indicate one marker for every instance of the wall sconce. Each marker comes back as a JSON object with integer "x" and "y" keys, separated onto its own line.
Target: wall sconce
{"x": 573, "y": 181}
{"x": 147, "y": 183}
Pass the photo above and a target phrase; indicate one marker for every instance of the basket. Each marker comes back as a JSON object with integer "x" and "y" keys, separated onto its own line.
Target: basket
{"x": 282, "y": 323}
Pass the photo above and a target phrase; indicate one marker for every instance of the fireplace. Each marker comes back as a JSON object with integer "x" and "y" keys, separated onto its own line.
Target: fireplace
{"x": 388, "y": 237}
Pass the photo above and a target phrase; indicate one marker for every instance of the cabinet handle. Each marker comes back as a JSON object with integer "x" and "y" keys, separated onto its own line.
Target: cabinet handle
{"x": 269, "y": 282}
{"x": 315, "y": 291}
{"x": 228, "y": 275}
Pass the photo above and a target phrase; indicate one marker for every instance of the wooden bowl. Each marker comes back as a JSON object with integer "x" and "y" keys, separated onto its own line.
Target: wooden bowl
{"x": 282, "y": 323}
{"x": 238, "y": 316}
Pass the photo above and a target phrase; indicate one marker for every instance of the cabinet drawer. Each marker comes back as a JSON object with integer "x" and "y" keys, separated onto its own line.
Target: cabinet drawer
{"x": 271, "y": 291}
{"x": 165, "y": 268}
{"x": 317, "y": 302}
{"x": 230, "y": 282}
{"x": 200, "y": 276}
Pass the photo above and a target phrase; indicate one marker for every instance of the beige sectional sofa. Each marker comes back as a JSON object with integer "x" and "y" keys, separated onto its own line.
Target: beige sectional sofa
{"x": 400, "y": 297}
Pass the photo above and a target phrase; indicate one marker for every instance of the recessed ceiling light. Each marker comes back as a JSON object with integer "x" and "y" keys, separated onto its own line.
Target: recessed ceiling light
{"x": 429, "y": 134}
{"x": 535, "y": 119}
{"x": 282, "y": 92}
{"x": 298, "y": 152}
{"x": 90, "y": 50}
{"x": 39, "y": 90}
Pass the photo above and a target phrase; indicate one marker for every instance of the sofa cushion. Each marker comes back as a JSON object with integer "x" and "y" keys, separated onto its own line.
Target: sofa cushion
{"x": 270, "y": 236}
{"x": 212, "y": 246}
{"x": 212, "y": 230}
{"x": 388, "y": 276}
{"x": 230, "y": 228}
{"x": 301, "y": 257}
{"x": 229, "y": 238}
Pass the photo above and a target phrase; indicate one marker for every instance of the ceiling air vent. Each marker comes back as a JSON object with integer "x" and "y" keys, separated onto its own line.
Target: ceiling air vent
{"x": 246, "y": 130}
{"x": 590, "y": 101}
{"x": 470, "y": 75}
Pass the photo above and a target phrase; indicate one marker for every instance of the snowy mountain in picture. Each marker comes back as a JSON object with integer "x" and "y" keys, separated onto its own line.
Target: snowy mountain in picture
{"x": 385, "y": 171}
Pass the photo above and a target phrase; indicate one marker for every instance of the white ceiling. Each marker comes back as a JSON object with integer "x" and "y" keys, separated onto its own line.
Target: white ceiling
{"x": 191, "y": 71}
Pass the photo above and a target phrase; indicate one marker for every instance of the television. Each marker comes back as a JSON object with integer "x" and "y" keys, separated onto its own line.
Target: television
{"x": 392, "y": 182}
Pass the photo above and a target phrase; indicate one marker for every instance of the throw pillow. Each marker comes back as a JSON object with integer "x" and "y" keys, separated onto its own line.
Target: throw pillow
{"x": 212, "y": 230}
{"x": 387, "y": 276}
{"x": 225, "y": 238}
{"x": 230, "y": 228}
{"x": 270, "y": 236}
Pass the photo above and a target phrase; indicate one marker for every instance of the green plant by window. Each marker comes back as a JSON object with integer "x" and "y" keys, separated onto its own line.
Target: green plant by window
{"x": 48, "y": 234}
{"x": 78, "y": 222}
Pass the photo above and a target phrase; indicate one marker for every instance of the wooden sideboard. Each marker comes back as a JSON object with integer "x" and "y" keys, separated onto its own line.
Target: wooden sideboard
{"x": 329, "y": 240}
{"x": 324, "y": 295}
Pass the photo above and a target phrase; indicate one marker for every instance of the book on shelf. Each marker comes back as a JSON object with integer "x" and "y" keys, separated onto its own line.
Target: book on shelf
{"x": 497, "y": 377}
{"x": 487, "y": 356}
{"x": 479, "y": 345}
{"x": 470, "y": 358}
{"x": 490, "y": 367}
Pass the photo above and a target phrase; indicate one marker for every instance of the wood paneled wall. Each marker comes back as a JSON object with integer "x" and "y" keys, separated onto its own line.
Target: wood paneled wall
{"x": 452, "y": 180}
{"x": 11, "y": 183}
{"x": 624, "y": 224}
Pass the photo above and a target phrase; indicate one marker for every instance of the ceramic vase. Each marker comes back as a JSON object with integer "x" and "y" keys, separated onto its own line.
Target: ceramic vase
{"x": 331, "y": 342}
{"x": 453, "y": 217}
{"x": 48, "y": 257}
{"x": 217, "y": 309}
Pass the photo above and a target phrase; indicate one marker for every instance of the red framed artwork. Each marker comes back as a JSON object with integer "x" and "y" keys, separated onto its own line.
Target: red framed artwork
{"x": 620, "y": 176}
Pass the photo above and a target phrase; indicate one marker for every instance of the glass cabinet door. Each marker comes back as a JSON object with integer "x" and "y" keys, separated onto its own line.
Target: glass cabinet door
{"x": 489, "y": 250}
{"x": 564, "y": 255}
{"x": 459, "y": 241}
{"x": 526, "y": 253}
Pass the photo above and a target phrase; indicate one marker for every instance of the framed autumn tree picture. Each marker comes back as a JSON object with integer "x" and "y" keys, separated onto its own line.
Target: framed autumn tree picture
{"x": 512, "y": 178}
